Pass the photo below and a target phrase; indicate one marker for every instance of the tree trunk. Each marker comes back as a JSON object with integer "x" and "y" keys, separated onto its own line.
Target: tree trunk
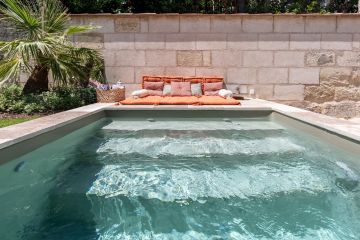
{"x": 359, "y": 6}
{"x": 38, "y": 81}
{"x": 88, "y": 66}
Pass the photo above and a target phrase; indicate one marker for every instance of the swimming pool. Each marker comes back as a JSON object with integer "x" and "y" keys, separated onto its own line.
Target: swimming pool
{"x": 178, "y": 176}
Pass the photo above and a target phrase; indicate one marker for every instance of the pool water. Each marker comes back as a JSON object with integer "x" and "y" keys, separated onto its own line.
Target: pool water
{"x": 188, "y": 179}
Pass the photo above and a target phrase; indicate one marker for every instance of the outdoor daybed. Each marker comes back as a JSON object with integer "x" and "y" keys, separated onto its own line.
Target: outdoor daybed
{"x": 162, "y": 90}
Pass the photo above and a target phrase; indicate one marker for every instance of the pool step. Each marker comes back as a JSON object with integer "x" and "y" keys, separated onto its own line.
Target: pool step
{"x": 157, "y": 146}
{"x": 212, "y": 216}
{"x": 253, "y": 124}
{"x": 191, "y": 134}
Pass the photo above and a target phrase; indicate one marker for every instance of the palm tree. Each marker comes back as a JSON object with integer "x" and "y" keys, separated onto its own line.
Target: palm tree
{"x": 44, "y": 46}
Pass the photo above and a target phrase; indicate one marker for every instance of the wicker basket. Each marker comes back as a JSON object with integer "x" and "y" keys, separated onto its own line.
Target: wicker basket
{"x": 110, "y": 96}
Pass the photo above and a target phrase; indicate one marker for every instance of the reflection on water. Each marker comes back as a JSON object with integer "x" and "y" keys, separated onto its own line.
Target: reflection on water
{"x": 245, "y": 179}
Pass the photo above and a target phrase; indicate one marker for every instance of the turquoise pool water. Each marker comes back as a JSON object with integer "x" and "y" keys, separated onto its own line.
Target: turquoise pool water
{"x": 182, "y": 179}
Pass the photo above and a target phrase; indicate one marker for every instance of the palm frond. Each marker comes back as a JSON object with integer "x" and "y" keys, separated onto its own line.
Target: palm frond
{"x": 56, "y": 17}
{"x": 22, "y": 16}
{"x": 9, "y": 69}
{"x": 79, "y": 29}
{"x": 95, "y": 59}
{"x": 46, "y": 42}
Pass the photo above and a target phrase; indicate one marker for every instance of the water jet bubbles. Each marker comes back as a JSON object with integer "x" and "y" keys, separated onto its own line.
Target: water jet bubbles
{"x": 150, "y": 120}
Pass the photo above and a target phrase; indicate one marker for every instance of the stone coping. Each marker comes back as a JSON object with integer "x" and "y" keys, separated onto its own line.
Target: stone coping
{"x": 27, "y": 130}
{"x": 220, "y": 14}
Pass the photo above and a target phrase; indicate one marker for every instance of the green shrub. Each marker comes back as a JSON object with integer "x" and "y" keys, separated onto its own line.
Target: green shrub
{"x": 57, "y": 99}
{"x": 211, "y": 6}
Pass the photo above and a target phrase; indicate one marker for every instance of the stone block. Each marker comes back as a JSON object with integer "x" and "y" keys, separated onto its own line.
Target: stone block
{"x": 90, "y": 40}
{"x": 356, "y": 42}
{"x": 320, "y": 24}
{"x": 123, "y": 74}
{"x": 264, "y": 91}
{"x": 304, "y": 75}
{"x": 109, "y": 58}
{"x": 149, "y": 41}
{"x": 211, "y": 41}
{"x": 144, "y": 24}
{"x": 241, "y": 75}
{"x": 289, "y": 24}
{"x": 206, "y": 58}
{"x": 336, "y": 41}
{"x": 214, "y": 72}
{"x": 346, "y": 109}
{"x": 320, "y": 58}
{"x": 130, "y": 58}
{"x": 146, "y": 71}
{"x": 335, "y": 76}
{"x": 226, "y": 24}
{"x": 226, "y": 58}
{"x": 180, "y": 71}
{"x": 119, "y": 41}
{"x": 348, "y": 24}
{"x": 273, "y": 75}
{"x": 274, "y": 41}
{"x": 319, "y": 94}
{"x": 257, "y": 58}
{"x": 355, "y": 77}
{"x": 289, "y": 92}
{"x": 189, "y": 58}
{"x": 127, "y": 24}
{"x": 260, "y": 24}
{"x": 244, "y": 41}
{"x": 164, "y": 24}
{"x": 348, "y": 58}
{"x": 181, "y": 41}
{"x": 289, "y": 59}
{"x": 194, "y": 24}
{"x": 347, "y": 94}
{"x": 305, "y": 41}
{"x": 160, "y": 58}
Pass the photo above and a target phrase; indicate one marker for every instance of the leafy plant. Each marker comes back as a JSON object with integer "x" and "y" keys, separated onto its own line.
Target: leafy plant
{"x": 44, "y": 46}
{"x": 56, "y": 99}
{"x": 211, "y": 6}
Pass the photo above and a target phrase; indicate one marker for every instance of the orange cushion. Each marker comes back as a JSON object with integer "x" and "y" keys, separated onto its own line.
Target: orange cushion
{"x": 179, "y": 100}
{"x": 157, "y": 100}
{"x": 151, "y": 79}
{"x": 172, "y": 79}
{"x": 149, "y": 100}
{"x": 213, "y": 79}
{"x": 157, "y": 86}
{"x": 213, "y": 86}
{"x": 216, "y": 100}
{"x": 180, "y": 89}
{"x": 211, "y": 93}
{"x": 193, "y": 79}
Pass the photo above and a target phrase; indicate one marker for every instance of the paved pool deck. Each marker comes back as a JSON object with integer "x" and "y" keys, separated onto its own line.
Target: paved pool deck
{"x": 25, "y": 131}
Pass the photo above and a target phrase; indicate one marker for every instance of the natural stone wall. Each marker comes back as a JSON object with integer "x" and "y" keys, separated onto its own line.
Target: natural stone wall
{"x": 312, "y": 61}
{"x": 305, "y": 60}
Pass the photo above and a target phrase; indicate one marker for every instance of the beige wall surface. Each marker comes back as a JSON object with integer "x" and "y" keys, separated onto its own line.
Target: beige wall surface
{"x": 305, "y": 59}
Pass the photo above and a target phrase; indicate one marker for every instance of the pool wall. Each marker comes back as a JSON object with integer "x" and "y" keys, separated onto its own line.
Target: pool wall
{"x": 59, "y": 132}
{"x": 22, "y": 138}
{"x": 25, "y": 182}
